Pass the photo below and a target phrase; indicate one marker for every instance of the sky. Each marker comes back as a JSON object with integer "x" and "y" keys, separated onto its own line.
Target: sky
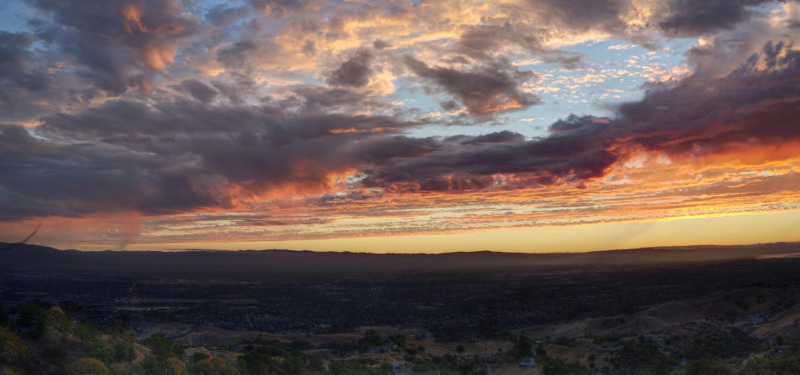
{"x": 399, "y": 126}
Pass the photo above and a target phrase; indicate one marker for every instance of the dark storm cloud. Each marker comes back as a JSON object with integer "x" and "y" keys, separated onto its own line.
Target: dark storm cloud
{"x": 23, "y": 76}
{"x": 237, "y": 53}
{"x": 175, "y": 156}
{"x": 583, "y": 15}
{"x": 485, "y": 40}
{"x": 690, "y": 18}
{"x": 504, "y": 136}
{"x": 487, "y": 88}
{"x": 317, "y": 98}
{"x": 16, "y": 62}
{"x": 354, "y": 72}
{"x": 470, "y": 165}
{"x": 42, "y": 178}
{"x": 529, "y": 24}
{"x": 116, "y": 44}
{"x": 756, "y": 105}
{"x": 198, "y": 90}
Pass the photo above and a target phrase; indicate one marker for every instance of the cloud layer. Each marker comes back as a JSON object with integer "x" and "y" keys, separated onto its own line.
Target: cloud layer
{"x": 325, "y": 111}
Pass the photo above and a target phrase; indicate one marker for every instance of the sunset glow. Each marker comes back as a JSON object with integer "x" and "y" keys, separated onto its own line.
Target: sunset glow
{"x": 399, "y": 126}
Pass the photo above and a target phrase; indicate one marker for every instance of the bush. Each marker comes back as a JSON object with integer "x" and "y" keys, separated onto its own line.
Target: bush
{"x": 708, "y": 366}
{"x": 641, "y": 356}
{"x": 353, "y": 368}
{"x": 213, "y": 366}
{"x": 87, "y": 366}
{"x": 773, "y": 365}
{"x": 13, "y": 350}
{"x": 555, "y": 366}
{"x": 55, "y": 322}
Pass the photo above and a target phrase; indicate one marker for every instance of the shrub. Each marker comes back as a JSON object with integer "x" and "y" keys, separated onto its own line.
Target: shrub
{"x": 87, "y": 366}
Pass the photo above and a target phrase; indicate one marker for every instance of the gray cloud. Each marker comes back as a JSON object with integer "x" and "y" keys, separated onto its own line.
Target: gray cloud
{"x": 486, "y": 88}
{"x": 198, "y": 90}
{"x": 354, "y": 72}
{"x": 116, "y": 44}
{"x": 756, "y": 105}
{"x": 691, "y": 18}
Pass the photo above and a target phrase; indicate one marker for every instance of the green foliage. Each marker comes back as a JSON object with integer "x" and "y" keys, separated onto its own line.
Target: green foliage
{"x": 773, "y": 365}
{"x": 165, "y": 357}
{"x": 87, "y": 332}
{"x": 353, "y": 368}
{"x": 273, "y": 359}
{"x": 721, "y": 343}
{"x": 102, "y": 350}
{"x": 555, "y": 366}
{"x": 399, "y": 340}
{"x": 213, "y": 366}
{"x": 385, "y": 367}
{"x": 124, "y": 348}
{"x": 87, "y": 366}
{"x": 117, "y": 346}
{"x": 708, "y": 366}
{"x": 641, "y": 356}
{"x": 601, "y": 339}
{"x": 13, "y": 350}
{"x": 162, "y": 347}
{"x": 55, "y": 322}
{"x": 157, "y": 366}
{"x": 523, "y": 347}
{"x": 28, "y": 316}
{"x": 371, "y": 338}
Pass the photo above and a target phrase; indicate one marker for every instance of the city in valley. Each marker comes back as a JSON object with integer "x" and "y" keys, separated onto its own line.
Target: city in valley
{"x": 657, "y": 311}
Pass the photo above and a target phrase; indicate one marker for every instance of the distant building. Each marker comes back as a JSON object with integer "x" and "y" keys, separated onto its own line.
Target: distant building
{"x": 527, "y": 362}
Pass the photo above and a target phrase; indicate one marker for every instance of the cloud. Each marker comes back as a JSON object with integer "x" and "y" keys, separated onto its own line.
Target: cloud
{"x": 23, "y": 77}
{"x": 754, "y": 106}
{"x": 116, "y": 44}
{"x": 174, "y": 155}
{"x": 485, "y": 89}
{"x": 198, "y": 90}
{"x": 354, "y": 72}
{"x": 236, "y": 112}
{"x": 692, "y": 18}
{"x": 17, "y": 62}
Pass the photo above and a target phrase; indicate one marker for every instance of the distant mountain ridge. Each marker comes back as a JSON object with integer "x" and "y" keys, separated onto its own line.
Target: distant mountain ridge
{"x": 206, "y": 264}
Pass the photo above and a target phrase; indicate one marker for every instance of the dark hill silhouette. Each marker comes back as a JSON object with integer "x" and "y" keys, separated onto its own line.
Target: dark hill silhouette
{"x": 206, "y": 264}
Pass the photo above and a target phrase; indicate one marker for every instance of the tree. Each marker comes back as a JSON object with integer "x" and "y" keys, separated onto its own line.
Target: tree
{"x": 399, "y": 340}
{"x": 708, "y": 366}
{"x": 55, "y": 322}
{"x": 86, "y": 332}
{"x": 87, "y": 366}
{"x": 213, "y": 366}
{"x": 523, "y": 347}
{"x": 28, "y": 316}
{"x": 164, "y": 357}
{"x": 162, "y": 347}
{"x": 12, "y": 348}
